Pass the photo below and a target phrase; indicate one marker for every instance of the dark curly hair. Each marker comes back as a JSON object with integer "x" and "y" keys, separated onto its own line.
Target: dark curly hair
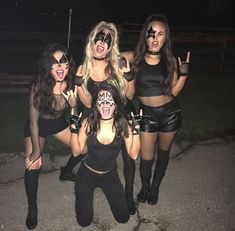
{"x": 167, "y": 59}
{"x": 120, "y": 122}
{"x": 42, "y": 86}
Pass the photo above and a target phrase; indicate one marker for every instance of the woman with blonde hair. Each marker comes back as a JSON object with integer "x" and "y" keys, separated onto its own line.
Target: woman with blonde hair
{"x": 104, "y": 65}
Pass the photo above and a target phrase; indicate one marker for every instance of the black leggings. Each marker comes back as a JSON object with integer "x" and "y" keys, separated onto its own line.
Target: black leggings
{"x": 86, "y": 183}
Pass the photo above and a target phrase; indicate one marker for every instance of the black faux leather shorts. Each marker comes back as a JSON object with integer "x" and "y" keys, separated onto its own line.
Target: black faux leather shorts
{"x": 166, "y": 118}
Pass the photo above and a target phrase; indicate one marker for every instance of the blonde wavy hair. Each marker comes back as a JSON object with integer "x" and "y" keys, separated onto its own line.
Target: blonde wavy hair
{"x": 113, "y": 71}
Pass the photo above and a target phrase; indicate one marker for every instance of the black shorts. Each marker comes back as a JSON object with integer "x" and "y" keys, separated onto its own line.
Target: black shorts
{"x": 47, "y": 126}
{"x": 166, "y": 118}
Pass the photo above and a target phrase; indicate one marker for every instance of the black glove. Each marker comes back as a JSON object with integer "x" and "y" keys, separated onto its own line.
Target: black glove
{"x": 75, "y": 123}
{"x": 135, "y": 123}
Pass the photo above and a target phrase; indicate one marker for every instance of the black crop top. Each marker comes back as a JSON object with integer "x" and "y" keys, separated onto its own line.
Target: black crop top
{"x": 93, "y": 86}
{"x": 148, "y": 80}
{"x": 102, "y": 157}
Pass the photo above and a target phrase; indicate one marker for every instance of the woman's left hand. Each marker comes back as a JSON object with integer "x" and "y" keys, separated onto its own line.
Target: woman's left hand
{"x": 135, "y": 122}
{"x": 184, "y": 66}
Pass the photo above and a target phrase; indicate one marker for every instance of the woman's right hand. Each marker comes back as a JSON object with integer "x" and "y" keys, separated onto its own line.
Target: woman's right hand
{"x": 33, "y": 159}
{"x": 71, "y": 97}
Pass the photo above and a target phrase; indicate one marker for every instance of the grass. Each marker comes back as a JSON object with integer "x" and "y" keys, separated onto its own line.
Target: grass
{"x": 207, "y": 105}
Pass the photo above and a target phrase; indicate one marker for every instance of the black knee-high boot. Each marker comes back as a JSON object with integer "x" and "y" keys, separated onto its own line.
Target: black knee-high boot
{"x": 31, "y": 188}
{"x": 129, "y": 175}
{"x": 159, "y": 172}
{"x": 67, "y": 171}
{"x": 145, "y": 175}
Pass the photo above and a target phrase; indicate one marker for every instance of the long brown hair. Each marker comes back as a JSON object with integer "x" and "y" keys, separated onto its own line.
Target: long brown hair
{"x": 42, "y": 86}
{"x": 167, "y": 59}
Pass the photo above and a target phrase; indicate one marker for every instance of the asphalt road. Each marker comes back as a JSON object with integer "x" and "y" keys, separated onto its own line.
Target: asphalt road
{"x": 197, "y": 193}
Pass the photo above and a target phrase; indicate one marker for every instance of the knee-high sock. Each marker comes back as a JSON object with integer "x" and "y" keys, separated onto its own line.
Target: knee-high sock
{"x": 31, "y": 186}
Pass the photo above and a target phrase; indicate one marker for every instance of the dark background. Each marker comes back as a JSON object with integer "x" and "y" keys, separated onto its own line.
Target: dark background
{"x": 202, "y": 13}
{"x": 27, "y": 26}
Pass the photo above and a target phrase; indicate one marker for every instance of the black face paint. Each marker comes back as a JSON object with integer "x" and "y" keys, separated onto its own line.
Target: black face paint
{"x": 105, "y": 98}
{"x": 104, "y": 37}
{"x": 150, "y": 33}
{"x": 63, "y": 60}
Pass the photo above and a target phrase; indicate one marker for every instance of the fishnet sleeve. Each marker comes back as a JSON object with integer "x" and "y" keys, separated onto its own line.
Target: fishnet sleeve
{"x": 34, "y": 129}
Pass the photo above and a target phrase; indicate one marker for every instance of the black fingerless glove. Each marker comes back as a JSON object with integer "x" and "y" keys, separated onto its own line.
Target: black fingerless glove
{"x": 184, "y": 69}
{"x": 74, "y": 123}
{"x": 135, "y": 124}
{"x": 78, "y": 80}
{"x": 128, "y": 76}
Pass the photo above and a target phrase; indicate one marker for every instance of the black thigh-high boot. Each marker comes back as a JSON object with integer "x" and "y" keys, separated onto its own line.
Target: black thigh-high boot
{"x": 66, "y": 173}
{"x": 145, "y": 175}
{"x": 31, "y": 188}
{"x": 159, "y": 172}
{"x": 129, "y": 175}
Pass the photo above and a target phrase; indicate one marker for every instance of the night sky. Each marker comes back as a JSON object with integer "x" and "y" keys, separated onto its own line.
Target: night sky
{"x": 180, "y": 13}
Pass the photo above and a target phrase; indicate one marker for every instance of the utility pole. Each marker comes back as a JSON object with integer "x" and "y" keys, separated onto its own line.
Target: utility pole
{"x": 69, "y": 27}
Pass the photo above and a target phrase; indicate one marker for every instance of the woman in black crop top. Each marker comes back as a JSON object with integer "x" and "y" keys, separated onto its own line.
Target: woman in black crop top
{"x": 104, "y": 132}
{"x": 103, "y": 65}
{"x": 47, "y": 108}
{"x": 157, "y": 85}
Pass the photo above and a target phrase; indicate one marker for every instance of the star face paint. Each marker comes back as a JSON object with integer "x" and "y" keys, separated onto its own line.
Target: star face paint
{"x": 151, "y": 33}
{"x": 104, "y": 37}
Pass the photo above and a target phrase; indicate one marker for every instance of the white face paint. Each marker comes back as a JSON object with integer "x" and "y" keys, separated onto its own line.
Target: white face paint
{"x": 105, "y": 105}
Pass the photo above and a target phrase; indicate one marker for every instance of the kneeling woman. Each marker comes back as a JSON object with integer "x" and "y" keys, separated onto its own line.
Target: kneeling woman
{"x": 103, "y": 132}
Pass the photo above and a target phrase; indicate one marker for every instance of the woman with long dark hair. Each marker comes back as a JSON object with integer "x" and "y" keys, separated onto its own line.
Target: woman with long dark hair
{"x": 47, "y": 108}
{"x": 103, "y": 132}
{"x": 157, "y": 85}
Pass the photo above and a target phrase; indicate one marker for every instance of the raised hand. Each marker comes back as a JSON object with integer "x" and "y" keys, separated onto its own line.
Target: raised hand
{"x": 75, "y": 122}
{"x": 135, "y": 122}
{"x": 184, "y": 66}
{"x": 71, "y": 97}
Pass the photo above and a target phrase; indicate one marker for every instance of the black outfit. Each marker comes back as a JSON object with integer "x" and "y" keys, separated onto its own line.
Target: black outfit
{"x": 166, "y": 118}
{"x": 48, "y": 124}
{"x": 100, "y": 157}
{"x": 129, "y": 164}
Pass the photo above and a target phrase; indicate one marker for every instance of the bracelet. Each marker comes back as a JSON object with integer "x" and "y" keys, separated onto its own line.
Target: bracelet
{"x": 136, "y": 131}
{"x": 74, "y": 130}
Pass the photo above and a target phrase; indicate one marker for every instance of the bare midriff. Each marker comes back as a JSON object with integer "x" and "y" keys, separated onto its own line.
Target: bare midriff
{"x": 155, "y": 101}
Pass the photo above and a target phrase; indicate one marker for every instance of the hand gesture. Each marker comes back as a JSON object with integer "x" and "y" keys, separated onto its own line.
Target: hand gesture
{"x": 135, "y": 122}
{"x": 184, "y": 65}
{"x": 33, "y": 158}
{"x": 71, "y": 97}
{"x": 75, "y": 122}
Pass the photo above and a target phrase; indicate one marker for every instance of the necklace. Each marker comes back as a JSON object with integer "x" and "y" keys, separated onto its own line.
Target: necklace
{"x": 153, "y": 52}
{"x": 99, "y": 59}
{"x": 107, "y": 118}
